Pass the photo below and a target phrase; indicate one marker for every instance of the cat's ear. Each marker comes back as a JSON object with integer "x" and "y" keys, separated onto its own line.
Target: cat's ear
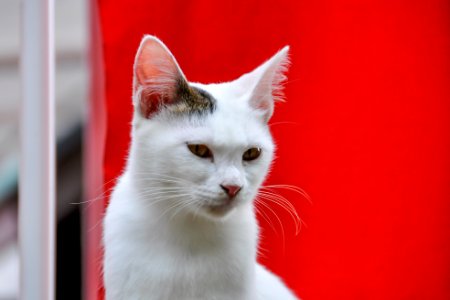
{"x": 156, "y": 76}
{"x": 267, "y": 82}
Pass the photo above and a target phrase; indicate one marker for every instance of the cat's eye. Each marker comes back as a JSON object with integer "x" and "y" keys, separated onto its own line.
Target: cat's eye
{"x": 251, "y": 154}
{"x": 200, "y": 150}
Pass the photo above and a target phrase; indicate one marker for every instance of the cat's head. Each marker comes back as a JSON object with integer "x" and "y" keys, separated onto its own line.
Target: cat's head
{"x": 198, "y": 148}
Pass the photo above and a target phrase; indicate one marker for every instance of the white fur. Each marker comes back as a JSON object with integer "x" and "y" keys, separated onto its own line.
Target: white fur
{"x": 160, "y": 241}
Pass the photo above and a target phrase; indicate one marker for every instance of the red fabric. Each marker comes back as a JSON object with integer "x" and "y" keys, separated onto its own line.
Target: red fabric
{"x": 365, "y": 129}
{"x": 95, "y": 136}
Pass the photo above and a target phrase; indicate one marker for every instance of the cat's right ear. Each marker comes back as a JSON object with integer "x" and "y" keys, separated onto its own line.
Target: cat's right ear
{"x": 156, "y": 76}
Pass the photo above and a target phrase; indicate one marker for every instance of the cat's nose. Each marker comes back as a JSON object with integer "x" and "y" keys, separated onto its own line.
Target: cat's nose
{"x": 231, "y": 190}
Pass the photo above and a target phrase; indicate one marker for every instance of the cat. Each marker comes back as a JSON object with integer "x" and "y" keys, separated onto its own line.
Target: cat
{"x": 181, "y": 221}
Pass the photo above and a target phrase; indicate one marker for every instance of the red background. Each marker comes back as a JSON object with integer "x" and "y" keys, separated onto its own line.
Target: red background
{"x": 365, "y": 129}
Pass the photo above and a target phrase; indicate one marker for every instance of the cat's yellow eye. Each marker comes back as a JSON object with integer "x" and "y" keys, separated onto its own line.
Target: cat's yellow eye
{"x": 200, "y": 150}
{"x": 251, "y": 154}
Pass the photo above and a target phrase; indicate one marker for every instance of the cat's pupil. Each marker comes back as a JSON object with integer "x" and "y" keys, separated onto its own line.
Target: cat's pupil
{"x": 251, "y": 154}
{"x": 200, "y": 150}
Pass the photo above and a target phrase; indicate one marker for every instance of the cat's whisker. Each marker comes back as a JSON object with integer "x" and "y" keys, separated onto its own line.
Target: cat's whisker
{"x": 276, "y": 216}
{"x": 290, "y": 188}
{"x": 159, "y": 175}
{"x": 153, "y": 197}
{"x": 263, "y": 214}
{"x": 285, "y": 204}
{"x": 181, "y": 207}
{"x": 161, "y": 180}
{"x": 164, "y": 198}
{"x": 261, "y": 251}
{"x": 296, "y": 189}
{"x": 177, "y": 203}
{"x": 90, "y": 201}
{"x": 150, "y": 193}
{"x": 177, "y": 208}
{"x": 101, "y": 196}
{"x": 284, "y": 123}
{"x": 89, "y": 230}
{"x": 102, "y": 186}
{"x": 105, "y": 194}
{"x": 155, "y": 202}
{"x": 150, "y": 201}
{"x": 206, "y": 195}
{"x": 162, "y": 188}
{"x": 197, "y": 211}
{"x": 169, "y": 209}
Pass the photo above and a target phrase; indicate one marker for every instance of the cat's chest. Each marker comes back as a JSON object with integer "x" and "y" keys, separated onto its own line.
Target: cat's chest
{"x": 200, "y": 256}
{"x": 193, "y": 273}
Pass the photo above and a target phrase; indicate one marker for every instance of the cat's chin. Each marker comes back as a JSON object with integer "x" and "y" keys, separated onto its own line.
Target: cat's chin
{"x": 218, "y": 212}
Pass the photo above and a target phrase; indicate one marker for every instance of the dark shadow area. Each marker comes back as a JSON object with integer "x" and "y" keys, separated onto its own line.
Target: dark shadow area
{"x": 68, "y": 263}
{"x": 69, "y": 193}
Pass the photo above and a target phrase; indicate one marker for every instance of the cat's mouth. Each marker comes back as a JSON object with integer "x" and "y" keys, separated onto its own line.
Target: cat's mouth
{"x": 221, "y": 209}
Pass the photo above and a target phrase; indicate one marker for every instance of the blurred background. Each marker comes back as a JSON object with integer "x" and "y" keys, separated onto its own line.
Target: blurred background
{"x": 71, "y": 90}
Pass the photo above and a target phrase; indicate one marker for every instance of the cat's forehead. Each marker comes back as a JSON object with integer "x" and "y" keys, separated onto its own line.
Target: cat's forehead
{"x": 233, "y": 121}
{"x": 230, "y": 99}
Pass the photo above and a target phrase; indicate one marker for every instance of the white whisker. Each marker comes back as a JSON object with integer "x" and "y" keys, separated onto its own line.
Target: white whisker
{"x": 278, "y": 219}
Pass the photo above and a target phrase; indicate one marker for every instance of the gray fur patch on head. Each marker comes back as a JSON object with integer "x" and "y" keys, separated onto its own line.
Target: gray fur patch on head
{"x": 191, "y": 100}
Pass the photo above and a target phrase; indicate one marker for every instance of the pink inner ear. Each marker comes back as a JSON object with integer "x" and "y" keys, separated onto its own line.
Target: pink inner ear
{"x": 262, "y": 98}
{"x": 154, "y": 62}
{"x": 268, "y": 80}
{"x": 262, "y": 105}
{"x": 157, "y": 73}
{"x": 265, "y": 106}
{"x": 149, "y": 104}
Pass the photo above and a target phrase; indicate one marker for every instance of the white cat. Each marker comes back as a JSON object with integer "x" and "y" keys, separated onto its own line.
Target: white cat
{"x": 181, "y": 221}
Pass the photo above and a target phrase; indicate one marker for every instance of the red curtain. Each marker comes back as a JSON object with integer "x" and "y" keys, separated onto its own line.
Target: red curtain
{"x": 365, "y": 129}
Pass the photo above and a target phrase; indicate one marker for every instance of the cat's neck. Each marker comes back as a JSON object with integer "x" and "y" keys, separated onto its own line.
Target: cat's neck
{"x": 196, "y": 232}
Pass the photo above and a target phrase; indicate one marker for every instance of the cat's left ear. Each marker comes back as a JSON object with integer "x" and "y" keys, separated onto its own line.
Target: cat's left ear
{"x": 267, "y": 82}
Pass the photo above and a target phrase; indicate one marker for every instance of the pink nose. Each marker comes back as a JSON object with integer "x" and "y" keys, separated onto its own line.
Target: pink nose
{"x": 231, "y": 190}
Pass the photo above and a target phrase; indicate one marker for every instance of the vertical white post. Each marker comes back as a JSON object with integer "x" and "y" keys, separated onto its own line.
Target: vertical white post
{"x": 37, "y": 160}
